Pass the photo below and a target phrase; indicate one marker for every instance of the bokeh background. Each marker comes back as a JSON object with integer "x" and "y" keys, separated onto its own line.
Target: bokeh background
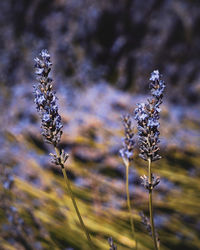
{"x": 103, "y": 53}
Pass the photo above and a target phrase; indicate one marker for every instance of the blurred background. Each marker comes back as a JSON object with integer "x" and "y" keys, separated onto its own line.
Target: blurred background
{"x": 103, "y": 53}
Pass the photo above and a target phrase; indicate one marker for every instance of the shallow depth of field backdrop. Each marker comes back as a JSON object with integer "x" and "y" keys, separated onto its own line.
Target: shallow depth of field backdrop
{"x": 103, "y": 53}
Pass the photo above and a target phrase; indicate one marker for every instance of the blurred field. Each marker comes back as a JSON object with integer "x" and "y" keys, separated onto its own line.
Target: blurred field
{"x": 93, "y": 139}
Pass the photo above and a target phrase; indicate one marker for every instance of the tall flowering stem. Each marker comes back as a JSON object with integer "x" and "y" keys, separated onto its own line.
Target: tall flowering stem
{"x": 45, "y": 100}
{"x": 127, "y": 156}
{"x": 151, "y": 205}
{"x": 147, "y": 117}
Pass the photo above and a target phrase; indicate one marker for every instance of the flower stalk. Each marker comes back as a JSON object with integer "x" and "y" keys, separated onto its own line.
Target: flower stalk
{"x": 129, "y": 204}
{"x": 147, "y": 117}
{"x": 151, "y": 205}
{"x": 127, "y": 156}
{"x": 73, "y": 199}
{"x": 45, "y": 100}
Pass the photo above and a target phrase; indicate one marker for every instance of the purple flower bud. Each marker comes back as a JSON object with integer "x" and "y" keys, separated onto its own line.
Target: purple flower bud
{"x": 155, "y": 76}
{"x": 157, "y": 85}
{"x": 39, "y": 71}
{"x": 46, "y": 118}
{"x": 41, "y": 100}
{"x": 153, "y": 123}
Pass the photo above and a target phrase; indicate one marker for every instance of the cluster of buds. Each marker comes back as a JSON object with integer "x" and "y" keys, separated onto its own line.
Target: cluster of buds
{"x": 61, "y": 159}
{"x": 128, "y": 141}
{"x": 147, "y": 117}
{"x": 154, "y": 182}
{"x": 45, "y": 100}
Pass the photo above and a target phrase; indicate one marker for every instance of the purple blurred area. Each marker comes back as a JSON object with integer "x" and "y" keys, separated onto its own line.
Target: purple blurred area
{"x": 91, "y": 40}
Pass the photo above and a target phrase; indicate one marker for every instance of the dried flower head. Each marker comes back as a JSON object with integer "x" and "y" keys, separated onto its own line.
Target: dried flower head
{"x": 45, "y": 100}
{"x": 128, "y": 141}
{"x": 147, "y": 117}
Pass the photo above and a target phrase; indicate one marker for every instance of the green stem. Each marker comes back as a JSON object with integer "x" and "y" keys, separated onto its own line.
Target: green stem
{"x": 151, "y": 206}
{"x": 129, "y": 204}
{"x": 74, "y": 201}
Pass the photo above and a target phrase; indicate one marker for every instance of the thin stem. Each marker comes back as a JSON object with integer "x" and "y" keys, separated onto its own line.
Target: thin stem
{"x": 151, "y": 205}
{"x": 74, "y": 201}
{"x": 129, "y": 204}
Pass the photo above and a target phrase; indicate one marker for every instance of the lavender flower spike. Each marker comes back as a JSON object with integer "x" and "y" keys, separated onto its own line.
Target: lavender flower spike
{"x": 128, "y": 142}
{"x": 45, "y": 100}
{"x": 147, "y": 117}
{"x": 127, "y": 156}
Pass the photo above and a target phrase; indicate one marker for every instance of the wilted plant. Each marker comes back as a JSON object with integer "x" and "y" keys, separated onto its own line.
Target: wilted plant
{"x": 45, "y": 100}
{"x": 127, "y": 156}
{"x": 147, "y": 117}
